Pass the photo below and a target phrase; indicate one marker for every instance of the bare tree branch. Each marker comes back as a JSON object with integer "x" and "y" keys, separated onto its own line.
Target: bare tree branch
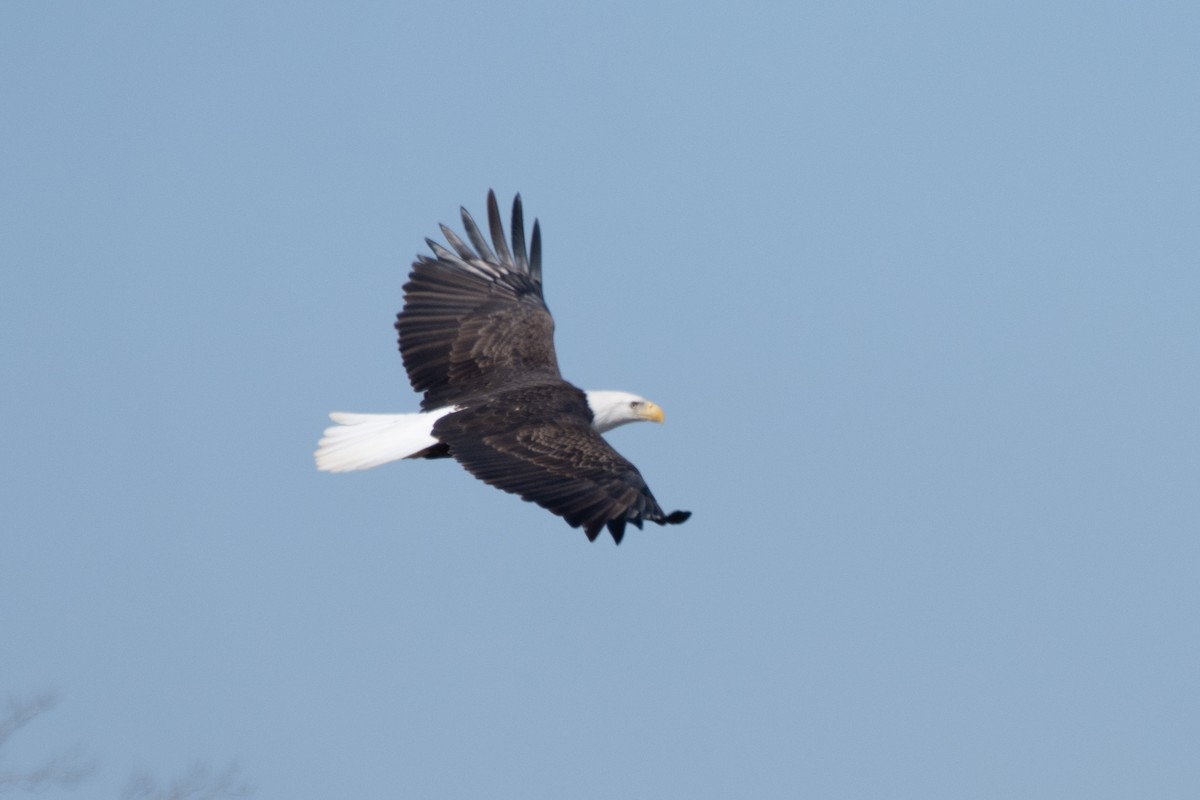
{"x": 20, "y": 711}
{"x": 199, "y": 782}
{"x": 69, "y": 767}
{"x": 64, "y": 770}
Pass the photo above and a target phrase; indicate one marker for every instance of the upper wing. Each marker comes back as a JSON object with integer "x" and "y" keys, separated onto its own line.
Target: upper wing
{"x": 539, "y": 444}
{"x": 474, "y": 320}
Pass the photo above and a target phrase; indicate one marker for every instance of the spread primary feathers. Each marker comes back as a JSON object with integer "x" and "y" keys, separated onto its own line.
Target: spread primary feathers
{"x": 478, "y": 341}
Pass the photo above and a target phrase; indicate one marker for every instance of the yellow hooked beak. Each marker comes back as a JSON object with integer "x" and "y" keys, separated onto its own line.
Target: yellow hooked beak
{"x": 650, "y": 411}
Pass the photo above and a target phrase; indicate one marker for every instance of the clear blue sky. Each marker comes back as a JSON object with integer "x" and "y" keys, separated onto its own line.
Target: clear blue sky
{"x": 918, "y": 286}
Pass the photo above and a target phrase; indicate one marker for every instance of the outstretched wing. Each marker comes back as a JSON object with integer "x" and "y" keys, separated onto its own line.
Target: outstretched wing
{"x": 539, "y": 443}
{"x": 474, "y": 319}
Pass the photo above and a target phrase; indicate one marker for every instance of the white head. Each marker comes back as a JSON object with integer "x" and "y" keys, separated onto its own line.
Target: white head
{"x": 610, "y": 409}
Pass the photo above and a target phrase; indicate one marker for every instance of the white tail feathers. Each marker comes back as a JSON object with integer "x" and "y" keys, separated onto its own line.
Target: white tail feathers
{"x": 362, "y": 441}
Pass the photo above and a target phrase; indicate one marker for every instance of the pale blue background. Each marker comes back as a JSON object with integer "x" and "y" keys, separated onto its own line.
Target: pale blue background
{"x": 917, "y": 285}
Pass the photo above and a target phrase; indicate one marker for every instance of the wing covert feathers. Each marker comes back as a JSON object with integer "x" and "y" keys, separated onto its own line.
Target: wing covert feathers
{"x": 476, "y": 336}
{"x": 474, "y": 320}
{"x": 539, "y": 443}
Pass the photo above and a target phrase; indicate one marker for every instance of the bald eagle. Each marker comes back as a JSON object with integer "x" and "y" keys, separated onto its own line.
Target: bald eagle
{"x": 477, "y": 339}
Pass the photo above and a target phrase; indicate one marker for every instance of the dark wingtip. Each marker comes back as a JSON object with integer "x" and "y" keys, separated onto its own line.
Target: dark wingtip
{"x": 617, "y": 528}
{"x": 518, "y": 235}
{"x": 676, "y": 517}
{"x": 497, "y": 230}
{"x": 535, "y": 253}
{"x": 472, "y": 230}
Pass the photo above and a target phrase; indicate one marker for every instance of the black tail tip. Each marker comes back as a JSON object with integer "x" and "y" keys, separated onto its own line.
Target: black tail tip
{"x": 676, "y": 517}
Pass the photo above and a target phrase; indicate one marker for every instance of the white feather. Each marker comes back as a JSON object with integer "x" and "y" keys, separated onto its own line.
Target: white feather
{"x": 612, "y": 409}
{"x": 362, "y": 441}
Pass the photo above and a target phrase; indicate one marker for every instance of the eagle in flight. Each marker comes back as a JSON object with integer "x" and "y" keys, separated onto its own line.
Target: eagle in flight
{"x": 478, "y": 341}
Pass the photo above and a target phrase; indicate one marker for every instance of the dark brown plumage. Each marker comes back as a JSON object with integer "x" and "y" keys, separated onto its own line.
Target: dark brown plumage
{"x": 475, "y": 334}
